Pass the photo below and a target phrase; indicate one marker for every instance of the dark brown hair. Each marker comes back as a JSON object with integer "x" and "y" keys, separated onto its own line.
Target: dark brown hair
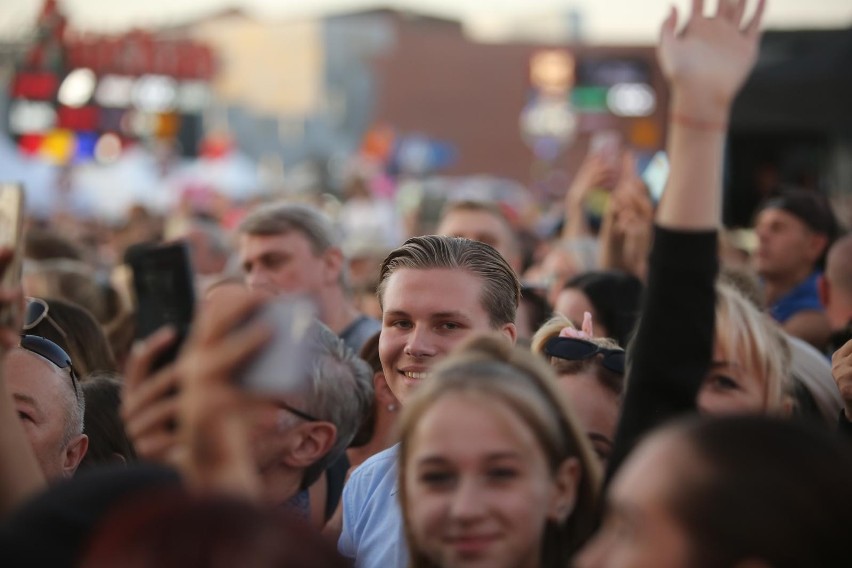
{"x": 767, "y": 489}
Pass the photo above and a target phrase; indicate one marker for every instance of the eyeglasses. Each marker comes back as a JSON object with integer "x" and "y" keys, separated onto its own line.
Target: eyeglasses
{"x": 573, "y": 349}
{"x": 300, "y": 413}
{"x": 37, "y": 311}
{"x": 53, "y": 353}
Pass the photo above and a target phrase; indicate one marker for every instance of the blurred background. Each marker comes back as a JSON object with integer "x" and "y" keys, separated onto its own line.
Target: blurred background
{"x": 106, "y": 106}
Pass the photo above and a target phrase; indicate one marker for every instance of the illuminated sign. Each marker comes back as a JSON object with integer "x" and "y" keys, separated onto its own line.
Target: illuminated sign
{"x": 34, "y": 117}
{"x": 35, "y": 85}
{"x": 552, "y": 71}
{"x": 77, "y": 88}
{"x": 631, "y": 99}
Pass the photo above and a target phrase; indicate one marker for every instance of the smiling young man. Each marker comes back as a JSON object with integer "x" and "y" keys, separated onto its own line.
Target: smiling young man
{"x": 435, "y": 292}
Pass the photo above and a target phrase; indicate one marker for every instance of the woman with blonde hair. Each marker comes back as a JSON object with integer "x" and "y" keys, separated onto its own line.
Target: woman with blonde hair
{"x": 493, "y": 467}
{"x": 590, "y": 373}
{"x": 750, "y": 370}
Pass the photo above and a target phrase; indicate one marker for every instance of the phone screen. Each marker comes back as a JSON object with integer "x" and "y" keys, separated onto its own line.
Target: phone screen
{"x": 11, "y": 231}
{"x": 282, "y": 366}
{"x": 656, "y": 175}
{"x": 165, "y": 293}
{"x": 606, "y": 143}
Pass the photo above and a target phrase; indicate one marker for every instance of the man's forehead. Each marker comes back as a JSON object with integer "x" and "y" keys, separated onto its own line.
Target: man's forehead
{"x": 467, "y": 221}
{"x": 778, "y": 215}
{"x": 434, "y": 290}
{"x": 256, "y": 245}
{"x": 26, "y": 371}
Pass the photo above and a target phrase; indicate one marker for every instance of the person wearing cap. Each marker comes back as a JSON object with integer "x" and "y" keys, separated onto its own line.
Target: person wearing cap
{"x": 794, "y": 231}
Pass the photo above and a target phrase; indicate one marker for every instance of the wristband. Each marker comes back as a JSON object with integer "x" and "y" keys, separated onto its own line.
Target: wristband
{"x": 697, "y": 123}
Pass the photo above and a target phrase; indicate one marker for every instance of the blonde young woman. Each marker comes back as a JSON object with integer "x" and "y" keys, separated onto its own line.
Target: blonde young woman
{"x": 590, "y": 373}
{"x": 493, "y": 469}
{"x": 749, "y": 372}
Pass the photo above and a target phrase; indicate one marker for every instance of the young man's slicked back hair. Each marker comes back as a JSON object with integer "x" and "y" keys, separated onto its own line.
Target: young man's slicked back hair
{"x": 501, "y": 289}
{"x": 278, "y": 218}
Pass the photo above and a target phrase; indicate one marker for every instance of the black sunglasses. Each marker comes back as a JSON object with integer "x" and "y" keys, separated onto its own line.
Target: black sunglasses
{"x": 36, "y": 312}
{"x": 573, "y": 349}
{"x": 53, "y": 353}
{"x": 300, "y": 413}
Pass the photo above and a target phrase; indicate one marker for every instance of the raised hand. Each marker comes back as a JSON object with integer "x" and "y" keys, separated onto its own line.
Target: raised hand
{"x": 712, "y": 56}
{"x": 216, "y": 417}
{"x": 149, "y": 402}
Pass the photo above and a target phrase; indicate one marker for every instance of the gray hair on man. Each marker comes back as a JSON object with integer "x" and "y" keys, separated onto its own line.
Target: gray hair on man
{"x": 278, "y": 218}
{"x": 340, "y": 391}
{"x": 76, "y": 409}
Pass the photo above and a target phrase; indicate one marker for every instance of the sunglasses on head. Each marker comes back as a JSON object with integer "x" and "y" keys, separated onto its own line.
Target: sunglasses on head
{"x": 36, "y": 312}
{"x": 300, "y": 413}
{"x": 573, "y": 349}
{"x": 53, "y": 353}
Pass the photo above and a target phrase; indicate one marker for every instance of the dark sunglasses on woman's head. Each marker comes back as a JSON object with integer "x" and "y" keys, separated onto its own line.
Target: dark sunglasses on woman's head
{"x": 53, "y": 353}
{"x": 573, "y": 349}
{"x": 37, "y": 311}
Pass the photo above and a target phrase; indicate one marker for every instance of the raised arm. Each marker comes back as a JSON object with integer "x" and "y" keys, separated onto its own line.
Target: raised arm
{"x": 705, "y": 64}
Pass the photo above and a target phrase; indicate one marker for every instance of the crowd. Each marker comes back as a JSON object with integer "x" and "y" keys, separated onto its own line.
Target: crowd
{"x": 644, "y": 393}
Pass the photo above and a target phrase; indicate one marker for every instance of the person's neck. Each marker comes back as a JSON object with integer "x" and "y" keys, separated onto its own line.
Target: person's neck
{"x": 382, "y": 439}
{"x": 776, "y": 287}
{"x": 280, "y": 484}
{"x": 335, "y": 310}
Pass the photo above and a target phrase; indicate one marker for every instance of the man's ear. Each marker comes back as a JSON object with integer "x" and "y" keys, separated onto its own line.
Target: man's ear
{"x": 510, "y": 332}
{"x": 74, "y": 453}
{"x": 566, "y": 480}
{"x": 334, "y": 262}
{"x": 817, "y": 245}
{"x": 315, "y": 439}
{"x": 824, "y": 290}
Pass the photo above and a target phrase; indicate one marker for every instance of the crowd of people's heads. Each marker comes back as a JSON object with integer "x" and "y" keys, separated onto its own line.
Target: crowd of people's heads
{"x": 518, "y": 393}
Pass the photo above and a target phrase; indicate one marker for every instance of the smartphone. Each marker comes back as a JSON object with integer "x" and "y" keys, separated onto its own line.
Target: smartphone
{"x": 606, "y": 143}
{"x": 165, "y": 292}
{"x": 656, "y": 175}
{"x": 11, "y": 232}
{"x": 283, "y": 365}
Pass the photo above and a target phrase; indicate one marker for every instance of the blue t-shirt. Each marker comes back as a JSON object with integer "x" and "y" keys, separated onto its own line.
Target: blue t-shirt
{"x": 803, "y": 297}
{"x": 372, "y": 532}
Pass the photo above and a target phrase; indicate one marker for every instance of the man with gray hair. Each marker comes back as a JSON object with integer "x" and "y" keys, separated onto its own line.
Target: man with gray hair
{"x": 288, "y": 248}
{"x": 49, "y": 403}
{"x": 314, "y": 424}
{"x": 318, "y": 423}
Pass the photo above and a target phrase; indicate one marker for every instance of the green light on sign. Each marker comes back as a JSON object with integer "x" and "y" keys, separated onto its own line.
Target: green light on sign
{"x": 589, "y": 99}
